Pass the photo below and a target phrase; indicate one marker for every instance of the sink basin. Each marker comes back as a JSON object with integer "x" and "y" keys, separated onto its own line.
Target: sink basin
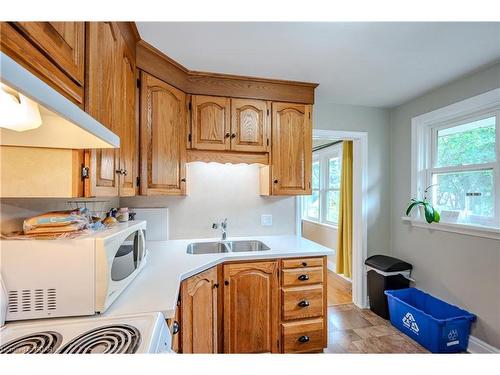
{"x": 207, "y": 248}
{"x": 240, "y": 246}
{"x": 225, "y": 247}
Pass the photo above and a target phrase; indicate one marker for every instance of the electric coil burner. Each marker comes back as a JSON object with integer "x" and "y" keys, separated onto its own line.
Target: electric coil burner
{"x": 124, "y": 334}
{"x": 37, "y": 343}
{"x": 113, "y": 339}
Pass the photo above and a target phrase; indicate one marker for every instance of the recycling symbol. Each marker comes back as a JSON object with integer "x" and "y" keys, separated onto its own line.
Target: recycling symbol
{"x": 409, "y": 322}
{"x": 453, "y": 335}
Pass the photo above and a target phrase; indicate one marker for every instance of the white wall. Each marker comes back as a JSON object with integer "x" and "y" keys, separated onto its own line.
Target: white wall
{"x": 218, "y": 191}
{"x": 461, "y": 269}
{"x": 374, "y": 121}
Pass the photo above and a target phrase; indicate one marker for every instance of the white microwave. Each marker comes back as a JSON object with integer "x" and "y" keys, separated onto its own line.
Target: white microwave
{"x": 69, "y": 277}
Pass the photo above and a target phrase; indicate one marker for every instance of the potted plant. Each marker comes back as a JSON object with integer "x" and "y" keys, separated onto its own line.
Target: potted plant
{"x": 429, "y": 212}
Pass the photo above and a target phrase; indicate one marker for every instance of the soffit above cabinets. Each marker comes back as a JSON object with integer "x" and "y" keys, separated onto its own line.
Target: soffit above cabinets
{"x": 63, "y": 125}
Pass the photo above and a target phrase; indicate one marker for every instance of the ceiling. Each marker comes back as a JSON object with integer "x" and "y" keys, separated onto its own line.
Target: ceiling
{"x": 360, "y": 63}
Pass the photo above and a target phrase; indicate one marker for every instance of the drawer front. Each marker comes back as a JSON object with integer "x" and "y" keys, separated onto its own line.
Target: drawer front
{"x": 302, "y": 302}
{"x": 304, "y": 336}
{"x": 302, "y": 276}
{"x": 302, "y": 262}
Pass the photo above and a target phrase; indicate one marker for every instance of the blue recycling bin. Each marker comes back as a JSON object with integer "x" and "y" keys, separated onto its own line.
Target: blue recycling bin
{"x": 433, "y": 323}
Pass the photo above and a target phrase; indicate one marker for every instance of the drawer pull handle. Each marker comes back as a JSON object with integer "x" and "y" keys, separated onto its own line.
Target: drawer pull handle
{"x": 304, "y": 264}
{"x": 303, "y": 277}
{"x": 304, "y": 339}
{"x": 175, "y": 328}
{"x": 304, "y": 303}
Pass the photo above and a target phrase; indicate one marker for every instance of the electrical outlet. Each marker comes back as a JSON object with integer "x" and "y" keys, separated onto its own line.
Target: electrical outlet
{"x": 266, "y": 220}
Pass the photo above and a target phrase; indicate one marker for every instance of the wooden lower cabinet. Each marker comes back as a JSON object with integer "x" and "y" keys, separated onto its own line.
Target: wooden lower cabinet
{"x": 251, "y": 307}
{"x": 199, "y": 313}
{"x": 251, "y": 311}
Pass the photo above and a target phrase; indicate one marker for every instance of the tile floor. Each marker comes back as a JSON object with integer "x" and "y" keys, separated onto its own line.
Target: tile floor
{"x": 354, "y": 330}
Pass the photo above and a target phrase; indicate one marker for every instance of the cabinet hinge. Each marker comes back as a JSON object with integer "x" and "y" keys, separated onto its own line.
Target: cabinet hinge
{"x": 189, "y": 105}
{"x": 138, "y": 83}
{"x": 138, "y": 181}
{"x": 309, "y": 115}
{"x": 268, "y": 111}
{"x": 190, "y": 138}
{"x": 85, "y": 172}
{"x": 268, "y": 141}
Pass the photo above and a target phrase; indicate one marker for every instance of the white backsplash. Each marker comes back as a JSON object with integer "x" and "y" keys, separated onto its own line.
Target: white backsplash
{"x": 218, "y": 191}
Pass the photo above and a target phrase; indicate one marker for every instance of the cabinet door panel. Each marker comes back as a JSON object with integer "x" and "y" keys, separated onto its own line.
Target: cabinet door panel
{"x": 64, "y": 42}
{"x": 211, "y": 127}
{"x": 249, "y": 125}
{"x": 103, "y": 102}
{"x": 251, "y": 307}
{"x": 199, "y": 313}
{"x": 127, "y": 124}
{"x": 292, "y": 149}
{"x": 163, "y": 148}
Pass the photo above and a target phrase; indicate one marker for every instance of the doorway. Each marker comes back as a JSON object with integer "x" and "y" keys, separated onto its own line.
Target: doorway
{"x": 339, "y": 286}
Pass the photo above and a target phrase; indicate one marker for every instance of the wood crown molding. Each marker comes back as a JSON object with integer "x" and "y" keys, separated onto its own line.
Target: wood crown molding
{"x": 163, "y": 67}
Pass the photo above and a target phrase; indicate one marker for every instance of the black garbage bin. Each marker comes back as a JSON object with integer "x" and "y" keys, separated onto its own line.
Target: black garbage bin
{"x": 385, "y": 273}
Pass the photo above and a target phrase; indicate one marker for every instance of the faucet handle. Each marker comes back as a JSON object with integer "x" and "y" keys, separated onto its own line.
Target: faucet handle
{"x": 224, "y": 223}
{"x": 215, "y": 226}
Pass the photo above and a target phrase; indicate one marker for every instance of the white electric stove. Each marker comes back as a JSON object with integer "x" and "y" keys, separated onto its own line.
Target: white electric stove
{"x": 141, "y": 333}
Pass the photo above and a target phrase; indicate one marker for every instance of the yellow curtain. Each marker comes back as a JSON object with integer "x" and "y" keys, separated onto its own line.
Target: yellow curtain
{"x": 344, "y": 243}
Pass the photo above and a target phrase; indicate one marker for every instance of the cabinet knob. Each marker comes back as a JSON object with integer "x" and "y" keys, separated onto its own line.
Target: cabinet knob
{"x": 304, "y": 264}
{"x": 304, "y": 303}
{"x": 304, "y": 339}
{"x": 175, "y": 328}
{"x": 233, "y": 135}
{"x": 275, "y": 181}
{"x": 183, "y": 180}
{"x": 227, "y": 135}
{"x": 226, "y": 282}
{"x": 303, "y": 277}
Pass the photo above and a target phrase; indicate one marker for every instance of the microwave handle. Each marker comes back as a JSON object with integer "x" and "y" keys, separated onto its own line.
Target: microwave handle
{"x": 143, "y": 247}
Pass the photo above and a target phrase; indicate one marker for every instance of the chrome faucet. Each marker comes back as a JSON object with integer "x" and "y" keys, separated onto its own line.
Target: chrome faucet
{"x": 223, "y": 228}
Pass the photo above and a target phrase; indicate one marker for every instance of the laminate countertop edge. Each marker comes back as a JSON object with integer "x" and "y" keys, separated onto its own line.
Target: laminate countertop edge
{"x": 156, "y": 287}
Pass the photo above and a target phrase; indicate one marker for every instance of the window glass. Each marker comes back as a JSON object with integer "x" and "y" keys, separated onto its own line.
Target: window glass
{"x": 332, "y": 209}
{"x": 312, "y": 205}
{"x": 471, "y": 143}
{"x": 315, "y": 175}
{"x": 468, "y": 193}
{"x": 334, "y": 173}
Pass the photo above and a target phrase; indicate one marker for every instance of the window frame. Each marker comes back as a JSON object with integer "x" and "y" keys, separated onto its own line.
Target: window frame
{"x": 323, "y": 157}
{"x": 424, "y": 148}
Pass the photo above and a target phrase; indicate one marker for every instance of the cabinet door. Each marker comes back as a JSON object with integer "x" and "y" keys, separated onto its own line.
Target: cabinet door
{"x": 53, "y": 51}
{"x": 127, "y": 128}
{"x": 199, "y": 313}
{"x": 103, "y": 103}
{"x": 249, "y": 125}
{"x": 251, "y": 307}
{"x": 64, "y": 42}
{"x": 211, "y": 127}
{"x": 292, "y": 149}
{"x": 163, "y": 146}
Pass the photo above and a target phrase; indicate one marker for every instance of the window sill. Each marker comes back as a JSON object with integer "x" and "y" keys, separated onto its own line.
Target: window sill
{"x": 322, "y": 224}
{"x": 467, "y": 229}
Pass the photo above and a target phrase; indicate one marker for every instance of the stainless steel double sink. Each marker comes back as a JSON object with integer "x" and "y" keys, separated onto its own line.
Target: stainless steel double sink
{"x": 226, "y": 247}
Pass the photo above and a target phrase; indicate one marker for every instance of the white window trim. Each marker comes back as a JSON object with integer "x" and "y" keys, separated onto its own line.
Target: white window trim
{"x": 420, "y": 160}
{"x": 322, "y": 157}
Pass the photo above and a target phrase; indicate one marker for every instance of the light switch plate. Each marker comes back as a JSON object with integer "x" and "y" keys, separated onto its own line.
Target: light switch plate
{"x": 266, "y": 220}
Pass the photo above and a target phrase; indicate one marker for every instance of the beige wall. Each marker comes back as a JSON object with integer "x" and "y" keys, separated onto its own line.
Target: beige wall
{"x": 460, "y": 269}
{"x": 218, "y": 191}
{"x": 325, "y": 235}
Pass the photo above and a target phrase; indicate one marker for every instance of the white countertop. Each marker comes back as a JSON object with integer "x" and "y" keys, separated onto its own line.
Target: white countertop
{"x": 156, "y": 288}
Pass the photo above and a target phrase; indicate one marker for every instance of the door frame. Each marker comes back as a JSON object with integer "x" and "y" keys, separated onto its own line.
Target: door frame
{"x": 360, "y": 208}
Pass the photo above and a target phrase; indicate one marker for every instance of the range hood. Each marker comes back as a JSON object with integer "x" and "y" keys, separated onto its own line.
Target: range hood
{"x": 53, "y": 121}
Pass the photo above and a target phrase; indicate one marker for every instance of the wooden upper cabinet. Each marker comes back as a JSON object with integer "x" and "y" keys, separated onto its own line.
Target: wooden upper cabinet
{"x": 104, "y": 103}
{"x": 54, "y": 51}
{"x": 251, "y": 307}
{"x": 199, "y": 312}
{"x": 249, "y": 125}
{"x": 163, "y": 147}
{"x": 64, "y": 42}
{"x": 292, "y": 149}
{"x": 210, "y": 122}
{"x": 127, "y": 126}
